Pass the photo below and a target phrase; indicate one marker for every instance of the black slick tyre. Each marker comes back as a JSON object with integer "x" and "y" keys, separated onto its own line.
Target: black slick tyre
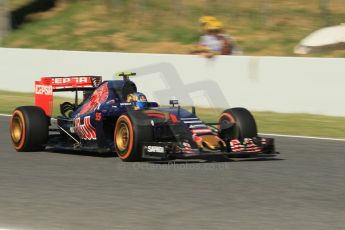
{"x": 129, "y": 134}
{"x": 237, "y": 123}
{"x": 29, "y": 129}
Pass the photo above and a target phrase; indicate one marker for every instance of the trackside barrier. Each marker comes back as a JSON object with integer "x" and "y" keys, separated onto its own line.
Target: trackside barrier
{"x": 280, "y": 84}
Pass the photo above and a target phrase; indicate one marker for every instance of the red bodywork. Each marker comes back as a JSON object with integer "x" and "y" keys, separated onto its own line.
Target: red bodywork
{"x": 45, "y": 87}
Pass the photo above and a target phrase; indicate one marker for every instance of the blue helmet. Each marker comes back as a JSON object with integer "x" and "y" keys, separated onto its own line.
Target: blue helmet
{"x": 138, "y": 99}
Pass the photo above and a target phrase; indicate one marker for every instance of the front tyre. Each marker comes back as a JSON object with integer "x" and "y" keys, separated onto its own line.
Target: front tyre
{"x": 29, "y": 129}
{"x": 129, "y": 134}
{"x": 124, "y": 138}
{"x": 237, "y": 123}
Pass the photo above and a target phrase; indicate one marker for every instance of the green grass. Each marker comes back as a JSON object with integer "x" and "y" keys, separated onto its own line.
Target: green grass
{"x": 10, "y": 100}
{"x": 301, "y": 124}
{"x": 147, "y": 26}
{"x": 268, "y": 122}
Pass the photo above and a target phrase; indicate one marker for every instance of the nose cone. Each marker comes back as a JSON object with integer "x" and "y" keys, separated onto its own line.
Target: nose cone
{"x": 212, "y": 142}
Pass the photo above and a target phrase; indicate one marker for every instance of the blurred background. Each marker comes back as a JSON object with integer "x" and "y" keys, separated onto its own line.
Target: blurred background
{"x": 260, "y": 27}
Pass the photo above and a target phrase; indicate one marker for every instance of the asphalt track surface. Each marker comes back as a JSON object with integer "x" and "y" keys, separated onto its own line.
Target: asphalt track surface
{"x": 303, "y": 189}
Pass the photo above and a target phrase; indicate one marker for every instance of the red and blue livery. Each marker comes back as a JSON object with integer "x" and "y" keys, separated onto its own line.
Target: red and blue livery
{"x": 113, "y": 116}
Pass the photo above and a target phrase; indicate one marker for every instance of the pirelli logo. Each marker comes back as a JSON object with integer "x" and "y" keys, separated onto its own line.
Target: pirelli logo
{"x": 43, "y": 90}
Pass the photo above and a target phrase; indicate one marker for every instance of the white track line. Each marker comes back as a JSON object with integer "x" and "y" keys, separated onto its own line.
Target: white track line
{"x": 303, "y": 137}
{"x": 268, "y": 134}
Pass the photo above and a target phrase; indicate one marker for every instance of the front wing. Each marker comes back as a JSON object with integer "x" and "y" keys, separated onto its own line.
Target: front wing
{"x": 236, "y": 149}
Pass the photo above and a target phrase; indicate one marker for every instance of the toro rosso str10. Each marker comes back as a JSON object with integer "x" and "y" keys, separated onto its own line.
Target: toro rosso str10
{"x": 114, "y": 116}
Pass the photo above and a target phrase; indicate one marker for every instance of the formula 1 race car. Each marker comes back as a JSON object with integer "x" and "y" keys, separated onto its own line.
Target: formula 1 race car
{"x": 114, "y": 116}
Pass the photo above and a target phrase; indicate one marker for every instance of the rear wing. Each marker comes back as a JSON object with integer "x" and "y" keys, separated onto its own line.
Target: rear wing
{"x": 45, "y": 87}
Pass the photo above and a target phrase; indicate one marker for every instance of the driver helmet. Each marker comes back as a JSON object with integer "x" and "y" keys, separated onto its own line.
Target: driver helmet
{"x": 138, "y": 99}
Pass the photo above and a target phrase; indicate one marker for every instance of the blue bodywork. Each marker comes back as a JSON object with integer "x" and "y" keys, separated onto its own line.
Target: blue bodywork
{"x": 93, "y": 120}
{"x": 173, "y": 132}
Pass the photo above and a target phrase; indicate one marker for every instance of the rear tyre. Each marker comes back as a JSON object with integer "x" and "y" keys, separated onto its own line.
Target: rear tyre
{"x": 129, "y": 134}
{"x": 29, "y": 129}
{"x": 237, "y": 123}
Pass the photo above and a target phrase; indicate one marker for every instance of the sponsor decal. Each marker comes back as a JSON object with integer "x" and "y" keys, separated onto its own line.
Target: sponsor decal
{"x": 155, "y": 149}
{"x": 247, "y": 146}
{"x": 112, "y": 101}
{"x": 126, "y": 103}
{"x": 197, "y": 126}
{"x": 43, "y": 90}
{"x": 192, "y": 121}
{"x": 160, "y": 115}
{"x": 65, "y": 80}
{"x": 198, "y": 131}
{"x": 187, "y": 148}
{"x": 187, "y": 145}
{"x": 236, "y": 146}
{"x": 85, "y": 131}
{"x": 189, "y": 118}
{"x": 250, "y": 145}
{"x": 97, "y": 98}
{"x": 71, "y": 82}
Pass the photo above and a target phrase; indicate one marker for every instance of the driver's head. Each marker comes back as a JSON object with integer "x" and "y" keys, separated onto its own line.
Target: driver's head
{"x": 138, "y": 99}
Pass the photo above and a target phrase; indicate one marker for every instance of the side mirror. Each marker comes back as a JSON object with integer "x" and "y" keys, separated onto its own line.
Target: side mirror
{"x": 173, "y": 102}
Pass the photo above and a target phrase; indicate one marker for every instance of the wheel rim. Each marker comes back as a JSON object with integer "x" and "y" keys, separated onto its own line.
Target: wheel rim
{"x": 16, "y": 129}
{"x": 122, "y": 136}
{"x": 227, "y": 119}
{"x": 233, "y": 131}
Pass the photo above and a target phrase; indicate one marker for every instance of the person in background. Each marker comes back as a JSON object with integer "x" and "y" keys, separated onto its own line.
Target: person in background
{"x": 202, "y": 49}
{"x": 213, "y": 41}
